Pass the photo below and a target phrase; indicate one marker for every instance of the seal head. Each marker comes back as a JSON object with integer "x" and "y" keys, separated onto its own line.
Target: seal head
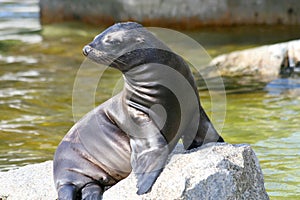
{"x": 118, "y": 44}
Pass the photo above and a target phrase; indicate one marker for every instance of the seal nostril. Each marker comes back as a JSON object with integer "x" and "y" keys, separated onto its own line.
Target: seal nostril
{"x": 86, "y": 50}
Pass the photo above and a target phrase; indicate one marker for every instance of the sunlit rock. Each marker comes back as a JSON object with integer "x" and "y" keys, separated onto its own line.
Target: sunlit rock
{"x": 29, "y": 182}
{"x": 264, "y": 63}
{"x": 214, "y": 171}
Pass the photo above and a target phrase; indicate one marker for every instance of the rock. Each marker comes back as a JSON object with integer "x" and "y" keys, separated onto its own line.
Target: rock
{"x": 214, "y": 171}
{"x": 172, "y": 13}
{"x": 32, "y": 182}
{"x": 263, "y": 63}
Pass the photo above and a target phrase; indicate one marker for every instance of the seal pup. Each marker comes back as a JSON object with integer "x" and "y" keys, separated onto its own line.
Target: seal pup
{"x": 136, "y": 129}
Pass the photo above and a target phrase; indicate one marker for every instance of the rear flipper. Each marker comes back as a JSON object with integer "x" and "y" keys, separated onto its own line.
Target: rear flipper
{"x": 206, "y": 133}
{"x": 92, "y": 191}
{"x": 67, "y": 192}
{"x": 148, "y": 159}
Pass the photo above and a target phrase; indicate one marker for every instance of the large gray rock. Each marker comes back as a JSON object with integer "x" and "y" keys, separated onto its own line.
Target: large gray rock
{"x": 215, "y": 171}
{"x": 262, "y": 63}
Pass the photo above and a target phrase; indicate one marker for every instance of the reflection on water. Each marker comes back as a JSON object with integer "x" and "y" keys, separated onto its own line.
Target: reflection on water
{"x": 38, "y": 70}
{"x": 284, "y": 86}
{"x": 19, "y": 20}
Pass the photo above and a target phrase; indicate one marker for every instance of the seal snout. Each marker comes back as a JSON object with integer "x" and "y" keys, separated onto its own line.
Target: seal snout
{"x": 86, "y": 50}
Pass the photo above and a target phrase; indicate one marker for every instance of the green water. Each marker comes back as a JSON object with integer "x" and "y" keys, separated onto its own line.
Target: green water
{"x": 38, "y": 71}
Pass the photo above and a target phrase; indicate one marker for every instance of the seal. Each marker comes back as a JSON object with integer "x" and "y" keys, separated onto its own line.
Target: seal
{"x": 138, "y": 128}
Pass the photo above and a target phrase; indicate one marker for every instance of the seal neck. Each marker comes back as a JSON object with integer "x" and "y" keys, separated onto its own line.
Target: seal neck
{"x": 149, "y": 75}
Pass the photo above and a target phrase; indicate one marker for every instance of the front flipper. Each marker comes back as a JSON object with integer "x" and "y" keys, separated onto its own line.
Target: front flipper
{"x": 148, "y": 159}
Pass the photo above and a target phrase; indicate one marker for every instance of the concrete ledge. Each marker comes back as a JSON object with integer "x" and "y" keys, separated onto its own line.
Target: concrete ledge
{"x": 172, "y": 13}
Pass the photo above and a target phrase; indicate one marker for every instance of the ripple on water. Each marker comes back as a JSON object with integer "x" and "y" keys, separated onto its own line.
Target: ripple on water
{"x": 19, "y": 20}
{"x": 17, "y": 158}
{"x": 26, "y": 124}
{"x": 280, "y": 163}
{"x": 25, "y": 76}
{"x": 18, "y": 59}
{"x": 11, "y": 92}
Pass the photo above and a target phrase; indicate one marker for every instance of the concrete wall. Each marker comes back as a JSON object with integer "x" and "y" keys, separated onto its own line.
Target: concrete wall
{"x": 185, "y": 14}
